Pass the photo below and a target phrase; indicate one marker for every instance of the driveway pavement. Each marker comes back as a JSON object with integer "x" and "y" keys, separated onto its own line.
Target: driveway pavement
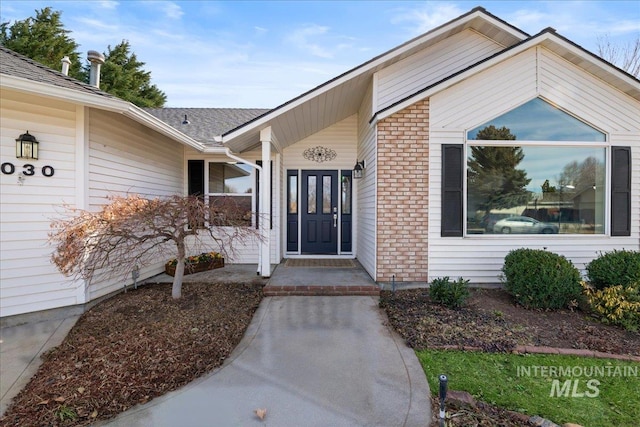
{"x": 20, "y": 349}
{"x": 309, "y": 361}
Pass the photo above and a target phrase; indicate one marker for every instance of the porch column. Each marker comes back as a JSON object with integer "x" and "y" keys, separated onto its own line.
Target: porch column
{"x": 265, "y": 204}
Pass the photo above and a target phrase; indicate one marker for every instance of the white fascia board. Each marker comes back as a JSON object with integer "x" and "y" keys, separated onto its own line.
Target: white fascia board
{"x": 597, "y": 61}
{"x": 115, "y": 105}
{"x": 214, "y": 150}
{"x": 535, "y": 41}
{"x": 62, "y": 93}
{"x": 364, "y": 68}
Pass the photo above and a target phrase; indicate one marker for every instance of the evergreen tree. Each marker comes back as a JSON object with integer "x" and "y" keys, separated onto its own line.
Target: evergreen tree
{"x": 122, "y": 75}
{"x": 494, "y": 182}
{"x": 43, "y": 39}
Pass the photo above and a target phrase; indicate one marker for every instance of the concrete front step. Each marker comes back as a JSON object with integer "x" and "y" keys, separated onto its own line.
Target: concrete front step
{"x": 304, "y": 290}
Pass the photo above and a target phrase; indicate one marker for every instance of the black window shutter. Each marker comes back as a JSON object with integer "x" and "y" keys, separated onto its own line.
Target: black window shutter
{"x": 452, "y": 177}
{"x": 195, "y": 179}
{"x": 620, "y": 191}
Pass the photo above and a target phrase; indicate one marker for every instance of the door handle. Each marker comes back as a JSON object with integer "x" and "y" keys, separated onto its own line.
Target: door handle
{"x": 335, "y": 220}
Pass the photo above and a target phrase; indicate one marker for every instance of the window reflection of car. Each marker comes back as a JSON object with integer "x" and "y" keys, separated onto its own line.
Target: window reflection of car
{"x": 524, "y": 225}
{"x": 489, "y": 220}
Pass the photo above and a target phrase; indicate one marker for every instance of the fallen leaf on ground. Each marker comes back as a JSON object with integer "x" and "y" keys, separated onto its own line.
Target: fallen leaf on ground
{"x": 261, "y": 413}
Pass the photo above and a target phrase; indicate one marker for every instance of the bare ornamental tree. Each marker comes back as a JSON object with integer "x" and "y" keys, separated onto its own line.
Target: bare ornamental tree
{"x": 133, "y": 231}
{"x": 627, "y": 56}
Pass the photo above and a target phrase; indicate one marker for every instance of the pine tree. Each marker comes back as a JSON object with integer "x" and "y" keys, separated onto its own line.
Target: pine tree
{"x": 43, "y": 39}
{"x": 494, "y": 182}
{"x": 122, "y": 75}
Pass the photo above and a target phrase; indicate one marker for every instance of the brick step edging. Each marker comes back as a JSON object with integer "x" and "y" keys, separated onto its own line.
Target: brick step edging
{"x": 320, "y": 290}
{"x": 523, "y": 349}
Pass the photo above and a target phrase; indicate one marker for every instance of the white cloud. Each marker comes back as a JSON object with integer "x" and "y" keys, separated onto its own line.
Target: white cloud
{"x": 97, "y": 24}
{"x": 260, "y": 30}
{"x": 108, "y": 4}
{"x": 530, "y": 20}
{"x": 172, "y": 10}
{"x": 302, "y": 39}
{"x": 169, "y": 9}
{"x": 427, "y": 17}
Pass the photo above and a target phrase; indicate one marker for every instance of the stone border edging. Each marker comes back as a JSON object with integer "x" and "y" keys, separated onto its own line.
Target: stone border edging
{"x": 532, "y": 349}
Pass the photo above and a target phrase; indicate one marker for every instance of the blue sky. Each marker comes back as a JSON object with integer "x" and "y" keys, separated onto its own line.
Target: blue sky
{"x": 261, "y": 54}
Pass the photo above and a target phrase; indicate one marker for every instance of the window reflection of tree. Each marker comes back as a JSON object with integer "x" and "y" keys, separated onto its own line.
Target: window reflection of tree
{"x": 494, "y": 181}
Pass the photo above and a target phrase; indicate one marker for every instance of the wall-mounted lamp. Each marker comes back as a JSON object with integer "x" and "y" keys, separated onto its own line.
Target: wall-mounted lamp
{"x": 358, "y": 170}
{"x": 27, "y": 147}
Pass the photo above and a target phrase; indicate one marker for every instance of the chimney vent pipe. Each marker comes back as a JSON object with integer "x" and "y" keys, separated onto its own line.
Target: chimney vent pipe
{"x": 66, "y": 62}
{"x": 96, "y": 59}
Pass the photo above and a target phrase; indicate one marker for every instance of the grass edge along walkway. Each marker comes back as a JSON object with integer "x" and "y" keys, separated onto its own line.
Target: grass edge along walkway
{"x": 593, "y": 392}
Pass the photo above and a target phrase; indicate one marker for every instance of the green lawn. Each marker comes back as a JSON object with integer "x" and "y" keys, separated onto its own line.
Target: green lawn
{"x": 525, "y": 383}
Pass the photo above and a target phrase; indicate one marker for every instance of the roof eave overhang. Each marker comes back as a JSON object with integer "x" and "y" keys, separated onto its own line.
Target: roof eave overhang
{"x": 262, "y": 122}
{"x": 115, "y": 105}
{"x": 546, "y": 39}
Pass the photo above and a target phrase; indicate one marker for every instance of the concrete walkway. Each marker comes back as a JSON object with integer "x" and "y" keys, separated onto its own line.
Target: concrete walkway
{"x": 20, "y": 349}
{"x": 309, "y": 361}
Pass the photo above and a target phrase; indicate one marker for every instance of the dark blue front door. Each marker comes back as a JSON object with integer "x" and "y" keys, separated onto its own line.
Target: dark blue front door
{"x": 319, "y": 216}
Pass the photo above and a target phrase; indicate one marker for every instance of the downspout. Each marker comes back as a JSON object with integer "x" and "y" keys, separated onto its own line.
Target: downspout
{"x": 229, "y": 154}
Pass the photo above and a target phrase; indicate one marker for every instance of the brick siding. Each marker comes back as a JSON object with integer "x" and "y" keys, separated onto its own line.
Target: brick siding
{"x": 402, "y": 194}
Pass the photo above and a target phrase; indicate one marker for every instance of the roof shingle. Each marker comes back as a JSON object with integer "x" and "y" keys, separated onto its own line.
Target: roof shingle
{"x": 17, "y": 65}
{"x": 206, "y": 123}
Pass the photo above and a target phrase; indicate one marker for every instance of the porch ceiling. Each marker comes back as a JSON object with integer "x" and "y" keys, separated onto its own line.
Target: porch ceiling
{"x": 342, "y": 97}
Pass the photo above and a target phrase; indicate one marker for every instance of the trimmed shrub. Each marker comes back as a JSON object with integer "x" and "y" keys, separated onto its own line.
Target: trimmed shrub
{"x": 616, "y": 305}
{"x": 541, "y": 279}
{"x": 614, "y": 268}
{"x": 449, "y": 294}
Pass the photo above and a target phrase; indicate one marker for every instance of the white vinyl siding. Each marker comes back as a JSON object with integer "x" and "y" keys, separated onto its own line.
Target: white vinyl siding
{"x": 28, "y": 279}
{"x": 492, "y": 93}
{"x": 128, "y": 158}
{"x": 365, "y": 189}
{"x": 341, "y": 138}
{"x": 431, "y": 65}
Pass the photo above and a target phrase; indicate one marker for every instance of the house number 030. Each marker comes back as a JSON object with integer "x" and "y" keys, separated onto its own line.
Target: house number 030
{"x": 28, "y": 169}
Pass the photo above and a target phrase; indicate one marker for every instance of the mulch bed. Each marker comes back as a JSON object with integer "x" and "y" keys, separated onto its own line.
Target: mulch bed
{"x": 134, "y": 347}
{"x": 493, "y": 322}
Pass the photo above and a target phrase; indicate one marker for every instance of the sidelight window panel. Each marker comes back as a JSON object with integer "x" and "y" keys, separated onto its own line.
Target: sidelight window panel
{"x": 326, "y": 194}
{"x": 311, "y": 194}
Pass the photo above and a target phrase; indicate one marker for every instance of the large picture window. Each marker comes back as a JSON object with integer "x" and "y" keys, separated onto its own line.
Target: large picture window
{"x": 230, "y": 194}
{"x": 535, "y": 170}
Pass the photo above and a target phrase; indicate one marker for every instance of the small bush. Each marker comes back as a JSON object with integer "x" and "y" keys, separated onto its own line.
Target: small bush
{"x": 616, "y": 305}
{"x": 449, "y": 294}
{"x": 541, "y": 279}
{"x": 614, "y": 268}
